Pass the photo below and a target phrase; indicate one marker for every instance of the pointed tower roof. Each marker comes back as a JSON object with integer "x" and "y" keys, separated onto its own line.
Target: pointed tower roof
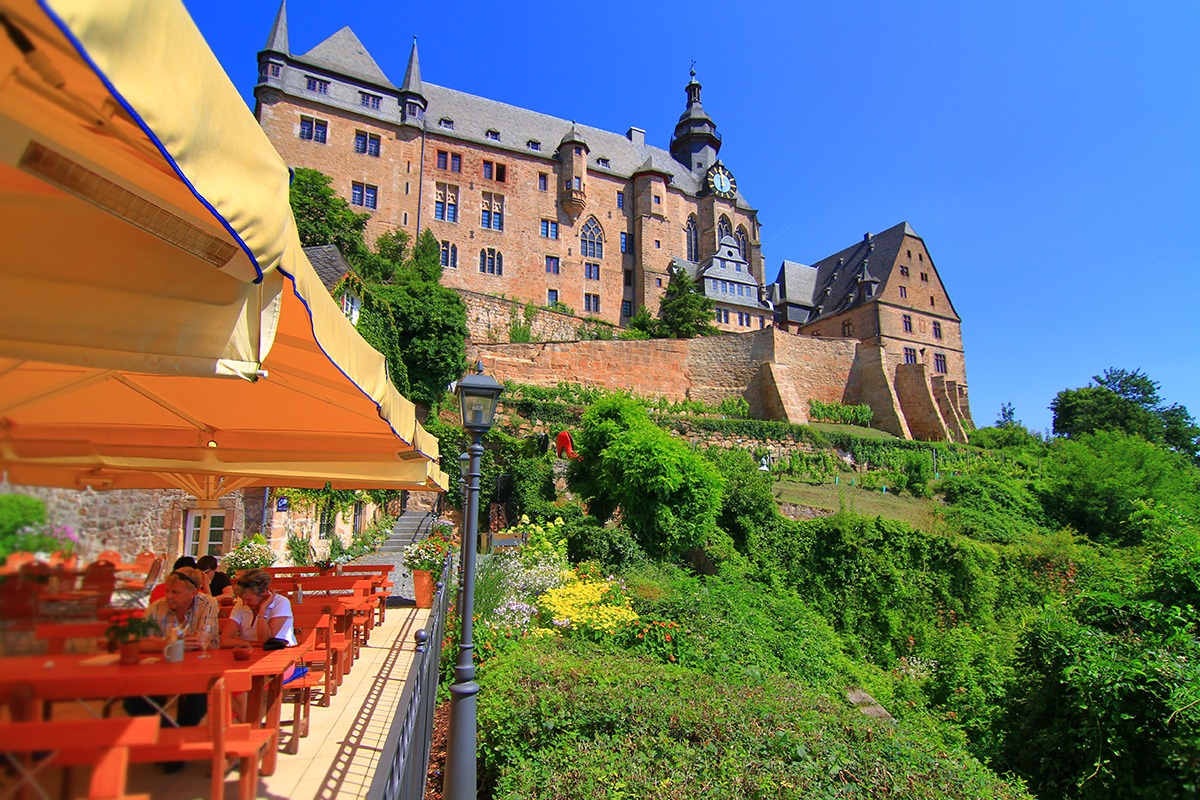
{"x": 695, "y": 132}
{"x": 277, "y": 41}
{"x": 573, "y": 136}
{"x": 656, "y": 164}
{"x": 412, "y": 75}
{"x": 344, "y": 53}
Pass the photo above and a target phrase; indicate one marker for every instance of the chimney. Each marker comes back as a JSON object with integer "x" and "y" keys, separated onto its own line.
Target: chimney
{"x": 636, "y": 135}
{"x": 867, "y": 236}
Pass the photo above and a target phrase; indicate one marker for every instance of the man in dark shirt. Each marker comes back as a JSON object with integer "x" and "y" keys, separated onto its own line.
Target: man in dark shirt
{"x": 218, "y": 582}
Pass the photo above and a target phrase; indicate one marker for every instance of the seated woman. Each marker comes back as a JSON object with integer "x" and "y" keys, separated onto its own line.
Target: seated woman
{"x": 260, "y": 614}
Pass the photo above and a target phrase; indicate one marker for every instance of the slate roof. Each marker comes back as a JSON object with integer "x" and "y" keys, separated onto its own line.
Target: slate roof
{"x": 344, "y": 54}
{"x": 278, "y": 40}
{"x": 412, "y": 75}
{"x": 727, "y": 265}
{"x": 797, "y": 283}
{"x": 328, "y": 262}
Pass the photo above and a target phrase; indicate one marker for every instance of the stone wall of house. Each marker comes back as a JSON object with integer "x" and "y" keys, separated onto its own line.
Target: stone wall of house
{"x": 489, "y": 319}
{"x": 126, "y": 520}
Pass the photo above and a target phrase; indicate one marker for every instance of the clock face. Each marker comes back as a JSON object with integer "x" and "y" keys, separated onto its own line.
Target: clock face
{"x": 721, "y": 181}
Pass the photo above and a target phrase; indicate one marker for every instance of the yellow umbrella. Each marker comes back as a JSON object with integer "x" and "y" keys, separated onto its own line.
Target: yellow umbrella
{"x": 160, "y": 324}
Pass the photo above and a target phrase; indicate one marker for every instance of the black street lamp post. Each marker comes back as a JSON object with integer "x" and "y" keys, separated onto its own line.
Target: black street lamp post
{"x": 477, "y": 396}
{"x": 464, "y": 467}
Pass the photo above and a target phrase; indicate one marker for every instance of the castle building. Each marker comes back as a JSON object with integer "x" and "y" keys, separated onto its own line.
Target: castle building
{"x": 526, "y": 205}
{"x": 553, "y": 212}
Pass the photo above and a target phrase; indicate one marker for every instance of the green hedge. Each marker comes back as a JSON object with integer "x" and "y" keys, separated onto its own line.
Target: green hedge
{"x": 565, "y": 719}
{"x": 840, "y": 413}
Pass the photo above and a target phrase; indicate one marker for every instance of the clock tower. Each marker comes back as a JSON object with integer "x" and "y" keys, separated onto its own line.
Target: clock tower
{"x": 696, "y": 141}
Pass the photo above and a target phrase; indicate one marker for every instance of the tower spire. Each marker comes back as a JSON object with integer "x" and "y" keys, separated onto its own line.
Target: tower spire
{"x": 277, "y": 41}
{"x": 696, "y": 141}
{"x": 412, "y": 92}
{"x": 412, "y": 75}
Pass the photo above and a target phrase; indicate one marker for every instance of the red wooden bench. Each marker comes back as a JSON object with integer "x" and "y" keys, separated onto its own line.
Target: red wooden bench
{"x": 103, "y": 744}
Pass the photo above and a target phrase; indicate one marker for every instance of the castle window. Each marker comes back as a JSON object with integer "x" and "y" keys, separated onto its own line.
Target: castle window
{"x": 351, "y": 306}
{"x": 413, "y": 110}
{"x": 591, "y": 302}
{"x": 909, "y": 254}
{"x": 578, "y": 151}
{"x": 449, "y": 255}
{"x": 455, "y": 162}
{"x": 445, "y": 202}
{"x": 847, "y": 328}
{"x": 369, "y": 100}
{"x": 903, "y": 292}
{"x": 366, "y": 143}
{"x": 657, "y": 200}
{"x": 552, "y": 264}
{"x": 925, "y": 277}
{"x": 624, "y": 242}
{"x": 743, "y": 244}
{"x": 629, "y": 277}
{"x": 275, "y": 70}
{"x": 451, "y": 161}
{"x": 364, "y": 194}
{"x": 591, "y": 240}
{"x": 316, "y": 85}
{"x": 552, "y": 297}
{"x": 620, "y": 199}
{"x": 543, "y": 181}
{"x": 603, "y": 162}
{"x": 904, "y": 271}
{"x": 492, "y": 211}
{"x": 939, "y": 363}
{"x": 494, "y": 171}
{"x": 932, "y": 302}
{"x": 494, "y": 135}
{"x": 723, "y": 315}
{"x": 920, "y": 256}
{"x": 549, "y": 229}
{"x": 447, "y": 123}
{"x": 658, "y": 282}
{"x": 491, "y": 261}
{"x": 907, "y": 319}
{"x": 937, "y": 329}
{"x": 576, "y": 183}
{"x": 534, "y": 144}
{"x": 691, "y": 235}
{"x": 591, "y": 271}
{"x": 626, "y": 308}
{"x": 910, "y": 355}
{"x": 724, "y": 228}
{"x": 316, "y": 130}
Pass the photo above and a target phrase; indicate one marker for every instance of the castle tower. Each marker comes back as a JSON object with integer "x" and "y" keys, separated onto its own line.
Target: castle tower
{"x": 412, "y": 92}
{"x": 696, "y": 142}
{"x": 572, "y": 186}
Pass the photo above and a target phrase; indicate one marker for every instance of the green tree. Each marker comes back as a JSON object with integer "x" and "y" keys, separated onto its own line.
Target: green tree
{"x": 686, "y": 312}
{"x": 1096, "y": 482}
{"x": 324, "y": 218}
{"x": 1129, "y": 401}
{"x": 668, "y": 496}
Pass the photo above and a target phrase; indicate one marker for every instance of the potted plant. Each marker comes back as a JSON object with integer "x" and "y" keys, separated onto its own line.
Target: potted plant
{"x": 423, "y": 559}
{"x": 126, "y": 629}
{"x": 253, "y": 552}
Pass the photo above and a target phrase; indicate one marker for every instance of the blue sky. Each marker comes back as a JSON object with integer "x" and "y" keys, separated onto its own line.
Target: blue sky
{"x": 1048, "y": 153}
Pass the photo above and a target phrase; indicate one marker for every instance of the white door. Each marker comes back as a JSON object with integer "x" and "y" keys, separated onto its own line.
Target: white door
{"x": 205, "y": 532}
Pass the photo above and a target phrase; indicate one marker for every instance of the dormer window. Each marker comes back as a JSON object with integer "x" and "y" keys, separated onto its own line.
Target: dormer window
{"x": 603, "y": 162}
{"x": 316, "y": 85}
{"x": 534, "y": 144}
{"x": 447, "y": 123}
{"x": 275, "y": 70}
{"x": 368, "y": 100}
{"x": 493, "y": 135}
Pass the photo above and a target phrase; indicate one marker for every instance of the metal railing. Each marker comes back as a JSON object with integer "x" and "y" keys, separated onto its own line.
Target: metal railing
{"x": 402, "y": 768}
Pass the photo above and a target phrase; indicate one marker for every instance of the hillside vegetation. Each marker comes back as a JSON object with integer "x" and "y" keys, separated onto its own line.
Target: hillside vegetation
{"x": 1024, "y": 613}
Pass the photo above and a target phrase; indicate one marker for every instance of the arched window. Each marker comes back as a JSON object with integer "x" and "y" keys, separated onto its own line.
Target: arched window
{"x": 723, "y": 228}
{"x": 691, "y": 233}
{"x": 591, "y": 240}
{"x": 491, "y": 261}
{"x": 743, "y": 242}
{"x": 449, "y": 255}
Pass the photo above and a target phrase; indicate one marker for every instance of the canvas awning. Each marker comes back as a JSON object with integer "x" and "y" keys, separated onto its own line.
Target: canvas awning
{"x": 160, "y": 324}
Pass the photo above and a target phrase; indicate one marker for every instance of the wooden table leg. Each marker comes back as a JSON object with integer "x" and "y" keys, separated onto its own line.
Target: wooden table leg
{"x": 274, "y": 699}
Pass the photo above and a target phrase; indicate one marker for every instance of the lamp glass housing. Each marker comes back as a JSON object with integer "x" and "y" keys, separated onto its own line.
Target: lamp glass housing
{"x": 478, "y": 395}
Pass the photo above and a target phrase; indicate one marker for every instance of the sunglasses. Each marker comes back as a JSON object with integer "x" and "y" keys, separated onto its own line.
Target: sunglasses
{"x": 185, "y": 577}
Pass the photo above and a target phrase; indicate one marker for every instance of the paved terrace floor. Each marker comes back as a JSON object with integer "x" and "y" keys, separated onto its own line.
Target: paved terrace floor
{"x": 339, "y": 756}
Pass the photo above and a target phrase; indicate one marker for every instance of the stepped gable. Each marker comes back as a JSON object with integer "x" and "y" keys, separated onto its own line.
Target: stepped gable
{"x": 473, "y": 116}
{"x": 840, "y": 272}
{"x": 344, "y": 54}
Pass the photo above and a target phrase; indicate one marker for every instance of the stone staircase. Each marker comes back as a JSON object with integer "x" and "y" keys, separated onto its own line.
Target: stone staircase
{"x": 410, "y": 527}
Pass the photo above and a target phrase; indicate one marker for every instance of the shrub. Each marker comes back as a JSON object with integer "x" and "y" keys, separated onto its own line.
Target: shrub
{"x": 840, "y": 413}
{"x": 610, "y": 545}
{"x": 569, "y": 720}
{"x": 252, "y": 552}
{"x": 299, "y": 549}
{"x": 19, "y": 511}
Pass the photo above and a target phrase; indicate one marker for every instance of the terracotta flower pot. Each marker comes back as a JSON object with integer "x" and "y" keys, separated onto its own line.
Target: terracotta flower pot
{"x": 131, "y": 652}
{"x": 423, "y": 588}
